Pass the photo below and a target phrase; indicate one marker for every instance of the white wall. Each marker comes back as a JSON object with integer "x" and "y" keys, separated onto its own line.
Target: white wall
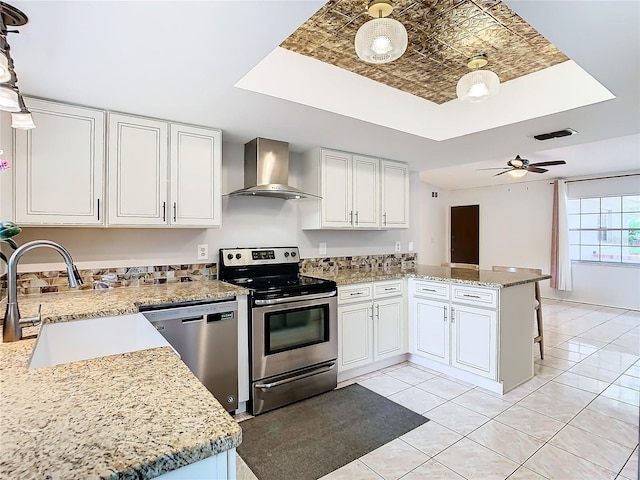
{"x": 246, "y": 221}
{"x": 515, "y": 230}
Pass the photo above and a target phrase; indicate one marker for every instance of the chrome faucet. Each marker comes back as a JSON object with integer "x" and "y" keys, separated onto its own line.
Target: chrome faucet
{"x": 13, "y": 324}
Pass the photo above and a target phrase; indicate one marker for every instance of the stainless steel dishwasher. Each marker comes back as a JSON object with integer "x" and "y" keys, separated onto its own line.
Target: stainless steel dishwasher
{"x": 205, "y": 334}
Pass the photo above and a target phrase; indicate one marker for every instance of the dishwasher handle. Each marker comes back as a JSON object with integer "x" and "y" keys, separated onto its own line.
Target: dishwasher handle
{"x": 192, "y": 319}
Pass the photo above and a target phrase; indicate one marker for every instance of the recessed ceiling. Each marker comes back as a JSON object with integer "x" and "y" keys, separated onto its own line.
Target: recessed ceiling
{"x": 443, "y": 35}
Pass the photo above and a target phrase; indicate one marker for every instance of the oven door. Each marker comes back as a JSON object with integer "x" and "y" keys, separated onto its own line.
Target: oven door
{"x": 293, "y": 333}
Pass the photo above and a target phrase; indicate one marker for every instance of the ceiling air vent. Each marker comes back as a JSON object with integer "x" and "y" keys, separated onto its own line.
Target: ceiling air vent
{"x": 560, "y": 133}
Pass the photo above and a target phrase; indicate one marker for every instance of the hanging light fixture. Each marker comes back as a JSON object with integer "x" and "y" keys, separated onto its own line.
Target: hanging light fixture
{"x": 477, "y": 85}
{"x": 10, "y": 98}
{"x": 381, "y": 40}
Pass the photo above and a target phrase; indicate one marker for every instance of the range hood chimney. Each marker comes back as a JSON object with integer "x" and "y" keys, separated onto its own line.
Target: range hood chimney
{"x": 266, "y": 171}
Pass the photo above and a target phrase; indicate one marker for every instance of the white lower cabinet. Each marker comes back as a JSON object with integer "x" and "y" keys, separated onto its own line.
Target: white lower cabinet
{"x": 430, "y": 337}
{"x": 454, "y": 334}
{"x": 371, "y": 323}
{"x": 474, "y": 340}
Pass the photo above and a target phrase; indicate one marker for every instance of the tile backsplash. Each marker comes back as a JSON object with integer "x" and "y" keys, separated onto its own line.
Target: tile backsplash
{"x": 360, "y": 262}
{"x": 56, "y": 281}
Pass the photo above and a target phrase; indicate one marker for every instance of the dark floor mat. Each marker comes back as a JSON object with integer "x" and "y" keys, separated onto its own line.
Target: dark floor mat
{"x": 309, "y": 439}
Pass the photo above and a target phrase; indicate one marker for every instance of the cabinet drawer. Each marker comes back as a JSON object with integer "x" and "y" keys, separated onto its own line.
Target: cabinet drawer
{"x": 388, "y": 289}
{"x": 485, "y": 297}
{"x": 355, "y": 293}
{"x": 431, "y": 289}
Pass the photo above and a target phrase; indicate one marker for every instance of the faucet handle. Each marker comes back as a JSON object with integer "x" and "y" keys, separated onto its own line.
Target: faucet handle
{"x": 32, "y": 321}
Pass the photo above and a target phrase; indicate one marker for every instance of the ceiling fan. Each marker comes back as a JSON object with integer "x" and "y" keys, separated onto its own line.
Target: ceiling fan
{"x": 518, "y": 167}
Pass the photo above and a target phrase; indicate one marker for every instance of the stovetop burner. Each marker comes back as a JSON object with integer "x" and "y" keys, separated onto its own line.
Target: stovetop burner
{"x": 269, "y": 272}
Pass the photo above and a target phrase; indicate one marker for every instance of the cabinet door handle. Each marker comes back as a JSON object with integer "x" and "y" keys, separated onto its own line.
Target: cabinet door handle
{"x": 371, "y": 316}
{"x": 356, "y": 218}
{"x": 98, "y": 209}
{"x": 470, "y": 296}
{"x": 356, "y": 293}
{"x": 378, "y": 312}
{"x": 351, "y": 217}
{"x": 384, "y": 217}
{"x": 164, "y": 211}
{"x": 390, "y": 289}
{"x": 453, "y": 315}
{"x": 174, "y": 211}
{"x": 429, "y": 290}
{"x": 444, "y": 309}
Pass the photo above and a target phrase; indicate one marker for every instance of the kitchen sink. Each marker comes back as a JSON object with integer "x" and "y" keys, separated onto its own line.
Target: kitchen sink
{"x": 76, "y": 340}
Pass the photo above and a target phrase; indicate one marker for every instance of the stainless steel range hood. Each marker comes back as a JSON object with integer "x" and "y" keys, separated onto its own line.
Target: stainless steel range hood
{"x": 266, "y": 171}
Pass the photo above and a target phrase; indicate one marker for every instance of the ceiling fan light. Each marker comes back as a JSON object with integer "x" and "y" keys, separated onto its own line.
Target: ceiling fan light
{"x": 9, "y": 99}
{"x": 381, "y": 40}
{"x": 477, "y": 86}
{"x": 517, "y": 172}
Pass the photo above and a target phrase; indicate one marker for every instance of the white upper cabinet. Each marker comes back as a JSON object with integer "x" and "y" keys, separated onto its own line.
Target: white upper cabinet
{"x": 59, "y": 166}
{"x": 336, "y": 185}
{"x": 196, "y": 159}
{"x": 163, "y": 174}
{"x": 137, "y": 171}
{"x": 395, "y": 194}
{"x": 353, "y": 188}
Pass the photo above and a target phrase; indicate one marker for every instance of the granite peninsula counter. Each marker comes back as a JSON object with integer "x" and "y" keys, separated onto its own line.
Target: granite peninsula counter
{"x": 134, "y": 415}
{"x": 481, "y": 278}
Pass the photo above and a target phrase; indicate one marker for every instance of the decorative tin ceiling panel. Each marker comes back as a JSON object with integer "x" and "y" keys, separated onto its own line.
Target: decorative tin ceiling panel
{"x": 443, "y": 35}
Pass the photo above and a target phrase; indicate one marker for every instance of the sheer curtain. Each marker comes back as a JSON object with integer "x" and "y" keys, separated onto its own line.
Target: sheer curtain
{"x": 560, "y": 259}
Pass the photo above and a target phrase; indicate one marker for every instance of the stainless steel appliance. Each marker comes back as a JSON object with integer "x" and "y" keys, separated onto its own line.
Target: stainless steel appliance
{"x": 205, "y": 334}
{"x": 293, "y": 343}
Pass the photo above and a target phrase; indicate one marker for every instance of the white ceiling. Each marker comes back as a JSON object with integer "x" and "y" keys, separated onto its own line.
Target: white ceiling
{"x": 180, "y": 60}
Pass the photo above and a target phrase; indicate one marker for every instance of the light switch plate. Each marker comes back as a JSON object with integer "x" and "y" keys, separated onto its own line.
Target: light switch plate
{"x": 398, "y": 246}
{"x": 411, "y": 246}
{"x": 322, "y": 249}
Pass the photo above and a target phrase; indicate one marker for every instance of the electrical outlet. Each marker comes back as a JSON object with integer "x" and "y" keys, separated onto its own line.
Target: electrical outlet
{"x": 203, "y": 251}
{"x": 322, "y": 250}
{"x": 411, "y": 246}
{"x": 398, "y": 246}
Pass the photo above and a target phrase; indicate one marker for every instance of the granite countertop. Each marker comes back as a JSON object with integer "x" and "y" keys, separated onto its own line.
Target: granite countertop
{"x": 81, "y": 304}
{"x": 134, "y": 415}
{"x": 483, "y": 278}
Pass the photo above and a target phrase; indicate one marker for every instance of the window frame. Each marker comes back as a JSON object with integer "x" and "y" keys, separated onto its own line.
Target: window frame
{"x": 603, "y": 233}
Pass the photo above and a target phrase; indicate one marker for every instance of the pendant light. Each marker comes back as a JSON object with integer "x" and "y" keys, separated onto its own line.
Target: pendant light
{"x": 477, "y": 85}
{"x": 381, "y": 40}
{"x": 10, "y": 98}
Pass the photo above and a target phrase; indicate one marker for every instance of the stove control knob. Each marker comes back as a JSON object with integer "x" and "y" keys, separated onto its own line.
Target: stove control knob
{"x": 230, "y": 256}
{"x": 293, "y": 254}
{"x": 238, "y": 256}
{"x": 286, "y": 254}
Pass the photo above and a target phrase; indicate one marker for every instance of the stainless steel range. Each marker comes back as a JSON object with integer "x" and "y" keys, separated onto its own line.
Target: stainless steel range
{"x": 293, "y": 343}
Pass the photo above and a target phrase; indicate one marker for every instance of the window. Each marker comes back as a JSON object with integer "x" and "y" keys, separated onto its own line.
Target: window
{"x": 605, "y": 229}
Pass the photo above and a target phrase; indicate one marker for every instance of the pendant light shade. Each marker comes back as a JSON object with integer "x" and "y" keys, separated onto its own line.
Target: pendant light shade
{"x": 22, "y": 120}
{"x": 477, "y": 85}
{"x": 9, "y": 99}
{"x": 5, "y": 73}
{"x": 381, "y": 40}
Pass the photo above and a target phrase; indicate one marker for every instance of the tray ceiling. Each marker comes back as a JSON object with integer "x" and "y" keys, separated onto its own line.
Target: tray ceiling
{"x": 443, "y": 35}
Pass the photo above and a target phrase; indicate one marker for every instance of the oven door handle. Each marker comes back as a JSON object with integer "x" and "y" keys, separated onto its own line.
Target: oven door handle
{"x": 315, "y": 371}
{"x": 314, "y": 296}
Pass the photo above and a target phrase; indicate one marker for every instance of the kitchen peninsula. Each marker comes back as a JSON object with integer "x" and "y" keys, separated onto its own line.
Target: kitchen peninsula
{"x": 473, "y": 325}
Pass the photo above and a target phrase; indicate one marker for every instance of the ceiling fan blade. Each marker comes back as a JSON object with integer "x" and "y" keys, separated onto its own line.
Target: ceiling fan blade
{"x": 495, "y": 168}
{"x": 536, "y": 169}
{"x": 548, "y": 164}
{"x": 506, "y": 171}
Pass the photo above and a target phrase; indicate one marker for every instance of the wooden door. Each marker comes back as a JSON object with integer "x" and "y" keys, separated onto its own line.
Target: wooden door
{"x": 354, "y": 336}
{"x": 465, "y": 234}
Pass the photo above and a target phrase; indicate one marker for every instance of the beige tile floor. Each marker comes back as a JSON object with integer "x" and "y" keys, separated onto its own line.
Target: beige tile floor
{"x": 577, "y": 419}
